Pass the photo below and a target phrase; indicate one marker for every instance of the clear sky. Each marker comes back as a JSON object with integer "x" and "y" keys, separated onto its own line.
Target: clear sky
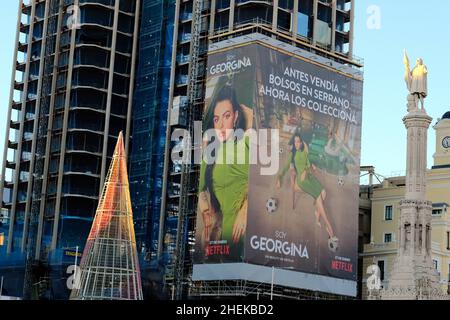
{"x": 422, "y": 28}
{"x": 419, "y": 26}
{"x": 8, "y": 21}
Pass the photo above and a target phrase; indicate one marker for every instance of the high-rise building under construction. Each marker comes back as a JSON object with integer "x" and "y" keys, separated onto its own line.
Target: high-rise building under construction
{"x": 71, "y": 95}
{"x": 137, "y": 66}
{"x": 322, "y": 29}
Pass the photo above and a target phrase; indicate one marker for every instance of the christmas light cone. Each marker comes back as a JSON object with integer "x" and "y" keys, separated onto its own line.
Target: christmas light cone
{"x": 109, "y": 268}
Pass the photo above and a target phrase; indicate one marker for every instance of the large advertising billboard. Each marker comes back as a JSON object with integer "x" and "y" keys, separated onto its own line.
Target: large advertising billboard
{"x": 284, "y": 192}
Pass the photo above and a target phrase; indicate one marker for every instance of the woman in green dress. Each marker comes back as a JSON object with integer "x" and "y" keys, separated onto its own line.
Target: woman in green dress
{"x": 302, "y": 179}
{"x": 224, "y": 184}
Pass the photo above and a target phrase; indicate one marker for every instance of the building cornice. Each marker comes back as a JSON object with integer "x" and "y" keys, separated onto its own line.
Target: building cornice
{"x": 378, "y": 253}
{"x": 380, "y": 199}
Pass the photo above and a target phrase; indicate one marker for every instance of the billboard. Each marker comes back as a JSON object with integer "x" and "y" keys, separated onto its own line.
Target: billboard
{"x": 284, "y": 192}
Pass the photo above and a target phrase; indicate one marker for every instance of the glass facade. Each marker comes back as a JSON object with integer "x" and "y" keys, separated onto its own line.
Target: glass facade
{"x": 149, "y": 129}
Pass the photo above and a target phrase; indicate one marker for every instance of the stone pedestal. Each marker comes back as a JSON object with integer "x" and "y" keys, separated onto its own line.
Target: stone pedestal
{"x": 413, "y": 275}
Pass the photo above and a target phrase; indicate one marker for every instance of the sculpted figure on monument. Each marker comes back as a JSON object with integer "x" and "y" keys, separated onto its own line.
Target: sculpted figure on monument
{"x": 416, "y": 82}
{"x": 407, "y": 235}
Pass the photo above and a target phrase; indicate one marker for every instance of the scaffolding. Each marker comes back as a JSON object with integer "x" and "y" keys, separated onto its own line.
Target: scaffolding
{"x": 177, "y": 278}
{"x": 186, "y": 217}
{"x": 255, "y": 291}
{"x": 36, "y": 268}
{"x": 109, "y": 268}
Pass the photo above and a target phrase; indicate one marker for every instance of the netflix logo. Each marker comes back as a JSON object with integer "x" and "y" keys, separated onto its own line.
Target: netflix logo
{"x": 218, "y": 249}
{"x": 342, "y": 266}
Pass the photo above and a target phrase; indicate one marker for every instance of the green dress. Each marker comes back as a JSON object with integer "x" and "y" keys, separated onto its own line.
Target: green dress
{"x": 230, "y": 184}
{"x": 310, "y": 185}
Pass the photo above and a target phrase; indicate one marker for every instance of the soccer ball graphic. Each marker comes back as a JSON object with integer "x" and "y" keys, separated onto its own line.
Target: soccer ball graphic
{"x": 333, "y": 244}
{"x": 341, "y": 181}
{"x": 272, "y": 205}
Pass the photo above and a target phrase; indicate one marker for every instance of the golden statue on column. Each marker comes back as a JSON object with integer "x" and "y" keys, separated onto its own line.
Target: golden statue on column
{"x": 416, "y": 82}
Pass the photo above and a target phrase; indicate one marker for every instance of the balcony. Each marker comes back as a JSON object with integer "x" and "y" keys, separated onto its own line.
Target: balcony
{"x": 10, "y": 164}
{"x": 22, "y": 47}
{"x": 86, "y": 119}
{"x": 24, "y": 28}
{"x": 14, "y": 125}
{"x": 17, "y": 105}
{"x": 84, "y": 142}
{"x": 26, "y": 8}
{"x": 9, "y": 185}
{"x": 20, "y": 66}
{"x": 88, "y": 77}
{"x": 18, "y": 86}
{"x": 81, "y": 190}
{"x": 92, "y": 56}
{"x": 90, "y": 35}
{"x": 96, "y": 15}
{"x": 82, "y": 164}
{"x": 13, "y": 145}
{"x": 109, "y": 3}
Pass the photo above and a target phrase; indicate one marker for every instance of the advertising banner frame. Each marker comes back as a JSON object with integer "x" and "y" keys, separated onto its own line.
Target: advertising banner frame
{"x": 339, "y": 274}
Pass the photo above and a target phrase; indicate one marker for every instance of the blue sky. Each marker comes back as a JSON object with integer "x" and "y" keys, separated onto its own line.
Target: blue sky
{"x": 421, "y": 29}
{"x": 8, "y": 20}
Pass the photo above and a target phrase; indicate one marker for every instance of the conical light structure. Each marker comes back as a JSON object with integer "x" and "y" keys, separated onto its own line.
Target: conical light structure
{"x": 109, "y": 268}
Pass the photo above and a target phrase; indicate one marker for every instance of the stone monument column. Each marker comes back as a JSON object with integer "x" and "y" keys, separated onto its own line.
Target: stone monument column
{"x": 417, "y": 124}
{"x": 413, "y": 276}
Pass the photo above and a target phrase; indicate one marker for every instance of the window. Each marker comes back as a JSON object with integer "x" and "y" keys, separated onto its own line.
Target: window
{"x": 448, "y": 241}
{"x": 449, "y": 273}
{"x": 302, "y": 24}
{"x": 387, "y": 237}
{"x": 381, "y": 266}
{"x": 436, "y": 212}
{"x": 388, "y": 213}
{"x": 435, "y": 264}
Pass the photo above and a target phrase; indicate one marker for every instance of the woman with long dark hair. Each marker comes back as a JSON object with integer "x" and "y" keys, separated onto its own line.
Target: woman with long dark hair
{"x": 223, "y": 185}
{"x": 302, "y": 179}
